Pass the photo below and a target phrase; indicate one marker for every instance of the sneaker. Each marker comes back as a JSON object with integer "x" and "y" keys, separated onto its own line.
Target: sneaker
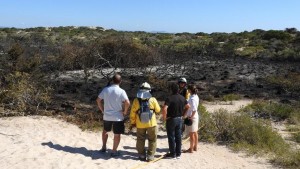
{"x": 150, "y": 158}
{"x": 170, "y": 156}
{"x": 102, "y": 150}
{"x": 177, "y": 157}
{"x": 142, "y": 158}
{"x": 115, "y": 154}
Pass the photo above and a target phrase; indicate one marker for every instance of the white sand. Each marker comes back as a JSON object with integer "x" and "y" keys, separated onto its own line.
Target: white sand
{"x": 231, "y": 107}
{"x": 44, "y": 142}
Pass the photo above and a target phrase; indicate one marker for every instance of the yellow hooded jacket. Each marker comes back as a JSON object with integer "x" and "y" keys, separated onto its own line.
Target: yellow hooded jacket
{"x": 134, "y": 117}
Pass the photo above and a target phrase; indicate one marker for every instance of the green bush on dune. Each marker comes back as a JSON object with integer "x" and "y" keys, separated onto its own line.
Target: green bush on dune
{"x": 242, "y": 132}
{"x": 240, "y": 129}
{"x": 278, "y": 111}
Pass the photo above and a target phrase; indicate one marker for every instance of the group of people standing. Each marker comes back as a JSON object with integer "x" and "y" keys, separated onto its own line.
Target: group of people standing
{"x": 183, "y": 103}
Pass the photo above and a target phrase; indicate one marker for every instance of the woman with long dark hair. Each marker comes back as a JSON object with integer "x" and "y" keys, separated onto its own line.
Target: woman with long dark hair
{"x": 192, "y": 114}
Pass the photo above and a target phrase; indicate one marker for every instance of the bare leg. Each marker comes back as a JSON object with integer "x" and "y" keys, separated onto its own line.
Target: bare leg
{"x": 117, "y": 138}
{"x": 192, "y": 138}
{"x": 104, "y": 139}
{"x": 196, "y": 141}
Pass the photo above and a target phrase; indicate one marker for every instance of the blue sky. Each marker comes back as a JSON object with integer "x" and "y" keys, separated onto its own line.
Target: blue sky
{"x": 154, "y": 15}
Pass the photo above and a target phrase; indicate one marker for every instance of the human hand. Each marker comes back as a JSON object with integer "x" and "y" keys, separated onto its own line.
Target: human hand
{"x": 132, "y": 126}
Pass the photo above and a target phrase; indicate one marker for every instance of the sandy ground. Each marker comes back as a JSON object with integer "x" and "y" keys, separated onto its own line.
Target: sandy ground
{"x": 231, "y": 107}
{"x": 44, "y": 142}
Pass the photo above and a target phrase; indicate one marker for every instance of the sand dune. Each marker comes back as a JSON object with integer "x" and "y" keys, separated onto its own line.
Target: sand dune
{"x": 44, "y": 142}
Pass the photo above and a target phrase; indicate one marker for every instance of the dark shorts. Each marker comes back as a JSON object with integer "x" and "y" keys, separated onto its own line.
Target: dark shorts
{"x": 118, "y": 126}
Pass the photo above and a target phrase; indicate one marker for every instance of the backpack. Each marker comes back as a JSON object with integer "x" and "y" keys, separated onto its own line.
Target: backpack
{"x": 145, "y": 113}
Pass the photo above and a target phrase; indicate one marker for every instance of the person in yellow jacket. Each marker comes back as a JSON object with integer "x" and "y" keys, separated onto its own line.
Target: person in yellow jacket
{"x": 182, "y": 83}
{"x": 146, "y": 125}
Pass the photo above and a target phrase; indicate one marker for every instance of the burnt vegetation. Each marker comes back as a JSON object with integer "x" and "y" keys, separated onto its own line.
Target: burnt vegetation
{"x": 249, "y": 64}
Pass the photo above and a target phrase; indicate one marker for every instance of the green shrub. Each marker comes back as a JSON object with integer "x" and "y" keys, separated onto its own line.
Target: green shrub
{"x": 223, "y": 123}
{"x": 288, "y": 159}
{"x": 24, "y": 94}
{"x": 296, "y": 137}
{"x": 249, "y": 51}
{"x": 209, "y": 98}
{"x": 295, "y": 115}
{"x": 257, "y": 134}
{"x": 231, "y": 97}
{"x": 239, "y": 128}
{"x": 295, "y": 132}
{"x": 276, "y": 34}
{"x": 257, "y": 108}
{"x": 282, "y": 111}
{"x": 207, "y": 128}
{"x": 289, "y": 82}
{"x": 241, "y": 131}
{"x": 273, "y": 110}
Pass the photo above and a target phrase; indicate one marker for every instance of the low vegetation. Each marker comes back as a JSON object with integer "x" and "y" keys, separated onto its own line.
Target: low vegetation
{"x": 295, "y": 132}
{"x": 244, "y": 132}
{"x": 274, "y": 110}
{"x": 289, "y": 83}
{"x": 23, "y": 94}
{"x": 231, "y": 97}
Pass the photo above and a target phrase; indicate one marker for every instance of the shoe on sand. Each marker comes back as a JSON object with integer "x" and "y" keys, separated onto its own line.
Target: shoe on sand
{"x": 150, "y": 158}
{"x": 142, "y": 158}
{"x": 102, "y": 150}
{"x": 115, "y": 154}
{"x": 170, "y": 156}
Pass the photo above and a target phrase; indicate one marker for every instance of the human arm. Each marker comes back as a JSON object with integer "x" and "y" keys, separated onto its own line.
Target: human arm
{"x": 186, "y": 108}
{"x": 164, "y": 112}
{"x": 133, "y": 111}
{"x": 164, "y": 109}
{"x": 126, "y": 107}
{"x": 126, "y": 103}
{"x": 156, "y": 106}
{"x": 193, "y": 114}
{"x": 194, "y": 107}
{"x": 99, "y": 104}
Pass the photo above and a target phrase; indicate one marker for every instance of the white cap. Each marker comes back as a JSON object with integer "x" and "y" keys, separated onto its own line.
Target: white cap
{"x": 145, "y": 86}
{"x": 144, "y": 91}
{"x": 182, "y": 80}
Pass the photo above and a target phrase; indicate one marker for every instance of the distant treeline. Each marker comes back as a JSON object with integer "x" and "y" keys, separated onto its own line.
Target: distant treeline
{"x": 69, "y": 48}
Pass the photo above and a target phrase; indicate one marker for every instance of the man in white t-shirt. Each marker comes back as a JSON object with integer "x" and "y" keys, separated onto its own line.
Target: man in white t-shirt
{"x": 116, "y": 104}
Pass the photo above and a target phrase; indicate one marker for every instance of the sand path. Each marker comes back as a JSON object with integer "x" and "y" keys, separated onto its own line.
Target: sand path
{"x": 44, "y": 142}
